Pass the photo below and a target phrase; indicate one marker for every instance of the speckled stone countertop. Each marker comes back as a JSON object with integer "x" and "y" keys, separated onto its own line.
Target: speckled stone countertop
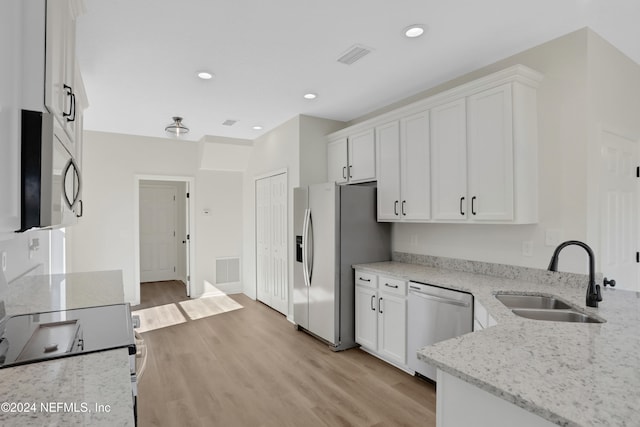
{"x": 34, "y": 293}
{"x": 86, "y": 390}
{"x": 89, "y": 390}
{"x": 571, "y": 374}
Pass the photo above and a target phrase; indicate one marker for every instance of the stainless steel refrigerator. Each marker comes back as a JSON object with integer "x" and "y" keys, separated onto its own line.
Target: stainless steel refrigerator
{"x": 334, "y": 227}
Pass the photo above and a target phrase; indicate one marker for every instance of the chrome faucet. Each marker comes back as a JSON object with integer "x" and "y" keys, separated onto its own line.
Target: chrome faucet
{"x": 593, "y": 291}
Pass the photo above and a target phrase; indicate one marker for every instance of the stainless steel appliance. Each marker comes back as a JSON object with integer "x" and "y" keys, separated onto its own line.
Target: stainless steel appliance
{"x": 435, "y": 314}
{"x": 334, "y": 227}
{"x": 50, "y": 175}
{"x": 36, "y": 337}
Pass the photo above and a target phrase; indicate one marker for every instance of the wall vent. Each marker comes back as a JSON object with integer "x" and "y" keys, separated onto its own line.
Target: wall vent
{"x": 229, "y": 122}
{"x": 227, "y": 270}
{"x": 354, "y": 53}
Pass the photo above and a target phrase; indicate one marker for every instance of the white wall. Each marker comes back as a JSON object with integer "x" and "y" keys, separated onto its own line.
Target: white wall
{"x": 220, "y": 234}
{"x": 298, "y": 146}
{"x": 104, "y": 238}
{"x": 563, "y": 115}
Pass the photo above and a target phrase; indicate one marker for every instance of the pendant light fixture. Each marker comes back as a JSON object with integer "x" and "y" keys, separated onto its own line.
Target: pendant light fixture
{"x": 177, "y": 128}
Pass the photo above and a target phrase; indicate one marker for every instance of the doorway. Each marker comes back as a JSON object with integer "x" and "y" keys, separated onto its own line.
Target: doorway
{"x": 619, "y": 233}
{"x": 271, "y": 205}
{"x": 163, "y": 230}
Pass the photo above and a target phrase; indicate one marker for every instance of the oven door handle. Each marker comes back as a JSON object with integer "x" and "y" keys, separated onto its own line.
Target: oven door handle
{"x": 435, "y": 298}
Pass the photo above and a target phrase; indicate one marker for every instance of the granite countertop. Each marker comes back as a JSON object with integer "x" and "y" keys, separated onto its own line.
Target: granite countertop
{"x": 88, "y": 390}
{"x": 571, "y": 374}
{"x": 92, "y": 389}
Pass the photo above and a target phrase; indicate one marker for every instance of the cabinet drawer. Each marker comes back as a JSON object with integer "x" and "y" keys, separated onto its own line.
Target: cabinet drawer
{"x": 392, "y": 286}
{"x": 366, "y": 279}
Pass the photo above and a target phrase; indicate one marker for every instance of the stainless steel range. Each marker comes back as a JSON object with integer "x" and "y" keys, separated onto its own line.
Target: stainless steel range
{"x": 37, "y": 337}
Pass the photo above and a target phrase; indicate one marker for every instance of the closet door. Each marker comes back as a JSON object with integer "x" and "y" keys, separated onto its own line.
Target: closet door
{"x": 263, "y": 241}
{"x": 271, "y": 242}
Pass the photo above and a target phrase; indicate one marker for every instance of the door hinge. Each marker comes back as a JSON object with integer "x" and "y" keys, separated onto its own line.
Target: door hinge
{"x": 174, "y": 233}
{"x": 174, "y": 198}
{"x": 187, "y": 195}
{"x": 188, "y": 236}
{"x": 638, "y": 257}
{"x": 174, "y": 269}
{"x": 188, "y": 278}
{"x": 637, "y": 171}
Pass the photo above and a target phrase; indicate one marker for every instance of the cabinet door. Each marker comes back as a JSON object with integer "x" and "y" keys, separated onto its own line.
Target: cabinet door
{"x": 362, "y": 157}
{"x": 366, "y": 317}
{"x": 56, "y": 98}
{"x": 337, "y": 161}
{"x": 490, "y": 154}
{"x": 449, "y": 161}
{"x": 388, "y": 167}
{"x": 414, "y": 160}
{"x": 392, "y": 327}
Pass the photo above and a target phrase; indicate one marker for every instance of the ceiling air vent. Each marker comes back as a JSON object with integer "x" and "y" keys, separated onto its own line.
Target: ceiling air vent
{"x": 229, "y": 122}
{"x": 354, "y": 53}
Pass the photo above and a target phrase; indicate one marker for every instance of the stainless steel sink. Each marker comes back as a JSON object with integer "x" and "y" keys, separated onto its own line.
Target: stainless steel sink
{"x": 532, "y": 301}
{"x": 556, "y": 315}
{"x": 544, "y": 307}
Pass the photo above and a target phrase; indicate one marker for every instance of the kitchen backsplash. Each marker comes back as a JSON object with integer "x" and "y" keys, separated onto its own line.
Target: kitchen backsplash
{"x": 497, "y": 270}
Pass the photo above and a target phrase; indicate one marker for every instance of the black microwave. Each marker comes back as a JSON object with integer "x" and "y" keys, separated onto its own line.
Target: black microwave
{"x": 50, "y": 195}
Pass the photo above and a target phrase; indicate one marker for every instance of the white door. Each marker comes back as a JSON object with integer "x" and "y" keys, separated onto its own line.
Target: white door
{"x": 271, "y": 242}
{"x": 158, "y": 249}
{"x": 367, "y": 317}
{"x": 263, "y": 241}
{"x": 490, "y": 154}
{"x": 415, "y": 203}
{"x": 619, "y": 210}
{"x": 337, "y": 161}
{"x": 362, "y": 157}
{"x": 392, "y": 327}
{"x": 449, "y": 161}
{"x": 279, "y": 239}
{"x": 388, "y": 170}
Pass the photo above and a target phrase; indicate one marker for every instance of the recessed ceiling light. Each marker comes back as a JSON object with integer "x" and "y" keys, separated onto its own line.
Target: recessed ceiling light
{"x": 257, "y": 128}
{"x": 205, "y": 75}
{"x": 310, "y": 95}
{"x": 413, "y": 31}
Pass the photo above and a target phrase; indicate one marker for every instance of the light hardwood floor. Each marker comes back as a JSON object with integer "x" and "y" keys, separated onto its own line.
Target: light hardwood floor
{"x": 251, "y": 367}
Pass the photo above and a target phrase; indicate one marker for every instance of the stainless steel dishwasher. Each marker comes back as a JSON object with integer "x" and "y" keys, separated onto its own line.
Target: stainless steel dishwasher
{"x": 435, "y": 314}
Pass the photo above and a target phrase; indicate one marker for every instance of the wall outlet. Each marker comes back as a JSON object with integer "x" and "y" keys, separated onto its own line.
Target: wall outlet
{"x": 527, "y": 248}
{"x": 4, "y": 260}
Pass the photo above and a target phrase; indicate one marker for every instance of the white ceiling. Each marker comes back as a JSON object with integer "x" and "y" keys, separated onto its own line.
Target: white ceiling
{"x": 139, "y": 58}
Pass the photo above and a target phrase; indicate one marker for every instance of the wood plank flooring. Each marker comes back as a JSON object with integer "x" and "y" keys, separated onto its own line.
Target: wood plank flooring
{"x": 251, "y": 367}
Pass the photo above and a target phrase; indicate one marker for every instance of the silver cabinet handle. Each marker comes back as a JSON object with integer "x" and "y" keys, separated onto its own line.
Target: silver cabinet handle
{"x": 380, "y": 306}
{"x": 350, "y": 176}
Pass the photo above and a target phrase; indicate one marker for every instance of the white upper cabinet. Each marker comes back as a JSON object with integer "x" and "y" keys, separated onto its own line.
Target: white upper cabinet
{"x": 352, "y": 159}
{"x": 468, "y": 154}
{"x": 337, "y": 163}
{"x": 388, "y": 168}
{"x": 484, "y": 157}
{"x": 60, "y": 95}
{"x": 414, "y": 164}
{"x": 403, "y": 169}
{"x": 490, "y": 154}
{"x": 449, "y": 161}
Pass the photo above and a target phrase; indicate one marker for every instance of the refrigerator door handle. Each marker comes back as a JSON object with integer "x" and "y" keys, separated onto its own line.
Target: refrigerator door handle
{"x": 309, "y": 248}
{"x": 305, "y": 232}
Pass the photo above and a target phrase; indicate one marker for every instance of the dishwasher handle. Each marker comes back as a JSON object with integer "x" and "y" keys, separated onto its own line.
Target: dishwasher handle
{"x": 418, "y": 293}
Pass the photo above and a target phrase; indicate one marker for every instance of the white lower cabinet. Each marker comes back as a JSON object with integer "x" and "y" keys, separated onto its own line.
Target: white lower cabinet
{"x": 381, "y": 316}
{"x": 459, "y": 403}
